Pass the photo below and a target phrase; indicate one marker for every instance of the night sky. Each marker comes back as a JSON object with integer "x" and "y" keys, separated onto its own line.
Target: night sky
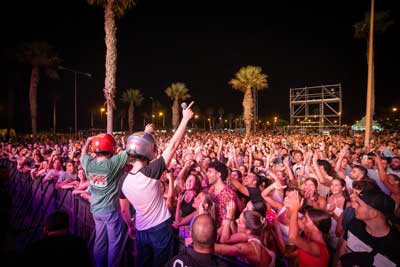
{"x": 297, "y": 44}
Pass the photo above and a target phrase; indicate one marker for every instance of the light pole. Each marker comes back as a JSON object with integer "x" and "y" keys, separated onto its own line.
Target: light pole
{"x": 75, "y": 72}
{"x": 195, "y": 119}
{"x": 161, "y": 115}
{"x": 275, "y": 120}
{"x": 368, "y": 113}
{"x": 101, "y": 113}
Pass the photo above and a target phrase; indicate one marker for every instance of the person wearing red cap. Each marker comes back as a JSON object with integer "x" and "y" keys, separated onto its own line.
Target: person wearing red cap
{"x": 103, "y": 172}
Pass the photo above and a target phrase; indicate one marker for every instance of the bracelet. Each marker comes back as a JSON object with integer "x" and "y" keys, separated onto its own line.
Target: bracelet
{"x": 228, "y": 219}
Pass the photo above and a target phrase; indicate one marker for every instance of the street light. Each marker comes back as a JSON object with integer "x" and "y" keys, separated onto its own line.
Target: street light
{"x": 394, "y": 109}
{"x": 75, "y": 72}
{"x": 101, "y": 112}
{"x": 160, "y": 114}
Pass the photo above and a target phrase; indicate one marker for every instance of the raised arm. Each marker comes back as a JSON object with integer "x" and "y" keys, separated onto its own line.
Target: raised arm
{"x": 265, "y": 195}
{"x": 294, "y": 237}
{"x": 150, "y": 128}
{"x": 171, "y": 190}
{"x": 292, "y": 178}
{"x": 169, "y": 151}
{"x": 320, "y": 175}
{"x": 228, "y": 220}
{"x": 220, "y": 146}
{"x": 338, "y": 164}
{"x": 384, "y": 177}
{"x": 86, "y": 146}
{"x": 239, "y": 186}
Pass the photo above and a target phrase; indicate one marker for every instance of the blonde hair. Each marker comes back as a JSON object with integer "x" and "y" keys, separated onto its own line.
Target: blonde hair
{"x": 210, "y": 204}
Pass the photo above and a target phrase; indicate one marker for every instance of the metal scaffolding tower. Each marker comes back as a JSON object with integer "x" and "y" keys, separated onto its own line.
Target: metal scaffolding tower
{"x": 316, "y": 108}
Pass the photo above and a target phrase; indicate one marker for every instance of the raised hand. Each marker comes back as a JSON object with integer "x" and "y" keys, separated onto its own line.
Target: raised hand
{"x": 180, "y": 198}
{"x": 293, "y": 200}
{"x": 170, "y": 177}
{"x": 230, "y": 209}
{"x": 187, "y": 113}
{"x": 286, "y": 162}
{"x": 150, "y": 128}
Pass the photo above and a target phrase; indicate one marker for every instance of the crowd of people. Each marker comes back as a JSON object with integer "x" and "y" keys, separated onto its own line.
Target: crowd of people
{"x": 260, "y": 200}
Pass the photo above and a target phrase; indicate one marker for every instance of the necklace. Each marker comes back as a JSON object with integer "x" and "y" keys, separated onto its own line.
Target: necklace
{"x": 339, "y": 198}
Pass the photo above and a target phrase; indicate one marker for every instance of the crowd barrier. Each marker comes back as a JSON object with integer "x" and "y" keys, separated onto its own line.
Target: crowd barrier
{"x": 33, "y": 200}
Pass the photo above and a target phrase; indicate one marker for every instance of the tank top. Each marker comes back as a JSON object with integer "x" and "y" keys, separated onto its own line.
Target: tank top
{"x": 337, "y": 211}
{"x": 186, "y": 207}
{"x": 252, "y": 241}
{"x": 308, "y": 260}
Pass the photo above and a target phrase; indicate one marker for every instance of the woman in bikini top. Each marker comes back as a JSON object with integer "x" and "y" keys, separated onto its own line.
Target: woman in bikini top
{"x": 254, "y": 251}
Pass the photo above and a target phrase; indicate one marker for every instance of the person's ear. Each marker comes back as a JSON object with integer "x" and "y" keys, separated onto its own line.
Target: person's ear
{"x": 373, "y": 213}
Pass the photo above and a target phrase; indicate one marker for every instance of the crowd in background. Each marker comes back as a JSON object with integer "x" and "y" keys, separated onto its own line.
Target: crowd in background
{"x": 273, "y": 200}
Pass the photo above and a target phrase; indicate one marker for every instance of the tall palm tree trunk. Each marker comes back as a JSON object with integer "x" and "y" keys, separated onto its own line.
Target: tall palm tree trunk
{"x": 33, "y": 98}
{"x": 130, "y": 117}
{"x": 247, "y": 110}
{"x": 175, "y": 114}
{"x": 368, "y": 113}
{"x": 111, "y": 62}
{"x": 373, "y": 81}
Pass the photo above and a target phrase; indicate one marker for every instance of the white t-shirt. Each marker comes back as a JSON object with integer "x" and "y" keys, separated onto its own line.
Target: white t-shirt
{"x": 143, "y": 191}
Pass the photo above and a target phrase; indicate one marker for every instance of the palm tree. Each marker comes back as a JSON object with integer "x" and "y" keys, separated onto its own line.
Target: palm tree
{"x": 210, "y": 114}
{"x": 221, "y": 116}
{"x": 382, "y": 22}
{"x": 246, "y": 79}
{"x": 176, "y": 91}
{"x": 112, "y": 9}
{"x": 230, "y": 119}
{"x": 40, "y": 55}
{"x": 134, "y": 98}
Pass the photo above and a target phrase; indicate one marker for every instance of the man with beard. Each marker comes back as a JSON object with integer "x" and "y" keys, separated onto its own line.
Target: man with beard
{"x": 357, "y": 173}
{"x": 394, "y": 167}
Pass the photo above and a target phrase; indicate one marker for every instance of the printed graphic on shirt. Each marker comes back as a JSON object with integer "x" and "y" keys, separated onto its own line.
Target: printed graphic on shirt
{"x": 354, "y": 244}
{"x": 98, "y": 180}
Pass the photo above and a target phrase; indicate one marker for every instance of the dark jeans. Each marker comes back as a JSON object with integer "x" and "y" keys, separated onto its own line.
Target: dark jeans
{"x": 110, "y": 232}
{"x": 155, "y": 245}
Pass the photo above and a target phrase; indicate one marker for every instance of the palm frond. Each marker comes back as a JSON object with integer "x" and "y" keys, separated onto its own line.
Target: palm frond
{"x": 133, "y": 96}
{"x": 382, "y": 22}
{"x": 119, "y": 7}
{"x": 39, "y": 54}
{"x": 177, "y": 91}
{"x": 249, "y": 77}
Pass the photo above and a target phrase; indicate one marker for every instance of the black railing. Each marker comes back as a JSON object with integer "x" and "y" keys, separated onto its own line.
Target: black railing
{"x": 33, "y": 200}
